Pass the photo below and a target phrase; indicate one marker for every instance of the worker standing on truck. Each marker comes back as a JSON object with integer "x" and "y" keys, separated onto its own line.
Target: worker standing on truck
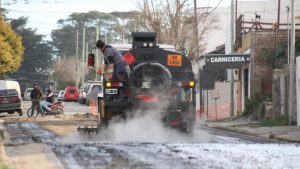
{"x": 113, "y": 58}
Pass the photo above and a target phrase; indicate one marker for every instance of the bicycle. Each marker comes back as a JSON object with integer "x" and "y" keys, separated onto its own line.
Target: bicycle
{"x": 34, "y": 112}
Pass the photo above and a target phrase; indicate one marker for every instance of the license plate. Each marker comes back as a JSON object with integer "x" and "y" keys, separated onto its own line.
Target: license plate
{"x": 111, "y": 91}
{"x": 5, "y": 101}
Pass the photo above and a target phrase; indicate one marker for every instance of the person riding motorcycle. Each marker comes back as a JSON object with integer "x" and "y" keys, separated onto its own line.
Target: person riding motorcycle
{"x": 49, "y": 100}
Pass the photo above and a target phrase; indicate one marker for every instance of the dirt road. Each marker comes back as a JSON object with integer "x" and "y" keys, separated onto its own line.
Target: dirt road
{"x": 53, "y": 142}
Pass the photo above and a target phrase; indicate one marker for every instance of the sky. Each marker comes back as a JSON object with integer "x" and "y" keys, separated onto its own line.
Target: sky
{"x": 44, "y": 14}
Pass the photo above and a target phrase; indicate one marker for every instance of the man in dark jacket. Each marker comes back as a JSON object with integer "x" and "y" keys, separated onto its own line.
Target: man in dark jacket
{"x": 36, "y": 96}
{"x": 114, "y": 59}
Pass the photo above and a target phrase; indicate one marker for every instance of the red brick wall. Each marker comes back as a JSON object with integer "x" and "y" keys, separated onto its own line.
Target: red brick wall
{"x": 261, "y": 68}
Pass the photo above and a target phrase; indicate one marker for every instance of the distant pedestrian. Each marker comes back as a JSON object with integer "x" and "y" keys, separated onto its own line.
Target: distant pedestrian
{"x": 36, "y": 96}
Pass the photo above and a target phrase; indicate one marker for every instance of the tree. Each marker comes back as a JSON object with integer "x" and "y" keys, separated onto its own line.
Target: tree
{"x": 11, "y": 49}
{"x": 38, "y": 55}
{"x": 174, "y": 23}
{"x": 66, "y": 75}
{"x": 64, "y": 38}
{"x": 129, "y": 22}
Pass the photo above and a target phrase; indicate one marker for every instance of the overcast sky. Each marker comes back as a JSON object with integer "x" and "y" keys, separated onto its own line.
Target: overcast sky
{"x": 43, "y": 14}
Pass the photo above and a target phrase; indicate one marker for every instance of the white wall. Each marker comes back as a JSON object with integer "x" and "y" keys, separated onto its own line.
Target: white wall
{"x": 266, "y": 9}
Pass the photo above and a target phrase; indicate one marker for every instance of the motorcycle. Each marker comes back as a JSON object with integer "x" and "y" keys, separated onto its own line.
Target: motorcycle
{"x": 56, "y": 108}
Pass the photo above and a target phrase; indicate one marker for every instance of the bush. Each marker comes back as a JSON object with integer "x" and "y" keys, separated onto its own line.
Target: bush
{"x": 252, "y": 105}
{"x": 277, "y": 121}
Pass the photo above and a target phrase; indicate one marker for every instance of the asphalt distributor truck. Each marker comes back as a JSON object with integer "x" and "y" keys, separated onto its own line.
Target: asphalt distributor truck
{"x": 158, "y": 80}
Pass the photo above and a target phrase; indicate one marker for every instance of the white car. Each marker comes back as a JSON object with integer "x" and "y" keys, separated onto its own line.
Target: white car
{"x": 92, "y": 92}
{"x": 85, "y": 89}
{"x": 60, "y": 96}
{"x": 10, "y": 84}
{"x": 27, "y": 94}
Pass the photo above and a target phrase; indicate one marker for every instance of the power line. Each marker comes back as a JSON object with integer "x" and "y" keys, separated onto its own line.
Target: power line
{"x": 215, "y": 7}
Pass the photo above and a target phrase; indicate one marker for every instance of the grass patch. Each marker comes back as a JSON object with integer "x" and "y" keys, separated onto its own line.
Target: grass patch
{"x": 3, "y": 166}
{"x": 277, "y": 121}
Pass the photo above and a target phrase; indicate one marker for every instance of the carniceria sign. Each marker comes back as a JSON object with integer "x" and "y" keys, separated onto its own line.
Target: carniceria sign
{"x": 228, "y": 59}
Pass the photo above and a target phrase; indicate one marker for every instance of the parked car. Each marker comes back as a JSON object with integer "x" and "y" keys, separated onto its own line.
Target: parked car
{"x": 10, "y": 101}
{"x": 85, "y": 89}
{"x": 60, "y": 96}
{"x": 10, "y": 84}
{"x": 27, "y": 94}
{"x": 71, "y": 94}
{"x": 93, "y": 92}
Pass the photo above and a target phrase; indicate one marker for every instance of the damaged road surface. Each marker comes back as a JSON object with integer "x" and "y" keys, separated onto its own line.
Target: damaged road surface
{"x": 205, "y": 148}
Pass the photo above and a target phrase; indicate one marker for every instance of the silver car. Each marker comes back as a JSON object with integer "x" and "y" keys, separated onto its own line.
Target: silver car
{"x": 92, "y": 93}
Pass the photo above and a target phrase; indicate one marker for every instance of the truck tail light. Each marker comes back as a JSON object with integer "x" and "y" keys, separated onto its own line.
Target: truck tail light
{"x": 114, "y": 84}
{"x": 187, "y": 84}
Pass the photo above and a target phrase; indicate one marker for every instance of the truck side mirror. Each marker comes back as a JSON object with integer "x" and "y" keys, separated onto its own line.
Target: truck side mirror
{"x": 91, "y": 61}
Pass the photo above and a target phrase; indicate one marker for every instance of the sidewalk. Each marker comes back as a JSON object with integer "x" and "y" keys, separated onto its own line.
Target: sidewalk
{"x": 246, "y": 126}
{"x": 31, "y": 156}
{"x": 27, "y": 156}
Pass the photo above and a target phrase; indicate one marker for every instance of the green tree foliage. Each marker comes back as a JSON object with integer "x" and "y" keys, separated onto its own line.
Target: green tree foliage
{"x": 11, "y": 49}
{"x": 64, "y": 38}
{"x": 38, "y": 55}
{"x": 252, "y": 105}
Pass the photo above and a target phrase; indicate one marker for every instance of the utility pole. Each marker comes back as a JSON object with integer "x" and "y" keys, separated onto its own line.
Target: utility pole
{"x": 77, "y": 43}
{"x": 196, "y": 28}
{"x": 292, "y": 64}
{"x": 82, "y": 56}
{"x": 96, "y": 51}
{"x": 197, "y": 54}
{"x": 77, "y": 57}
{"x": 232, "y": 70}
{"x": 278, "y": 14}
{"x": 288, "y": 34}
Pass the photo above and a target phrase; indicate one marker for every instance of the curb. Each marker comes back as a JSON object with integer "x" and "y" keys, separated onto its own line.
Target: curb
{"x": 271, "y": 137}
